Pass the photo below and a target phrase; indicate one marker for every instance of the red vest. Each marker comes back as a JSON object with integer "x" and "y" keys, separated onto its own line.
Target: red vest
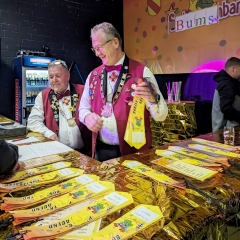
{"x": 52, "y": 124}
{"x": 121, "y": 108}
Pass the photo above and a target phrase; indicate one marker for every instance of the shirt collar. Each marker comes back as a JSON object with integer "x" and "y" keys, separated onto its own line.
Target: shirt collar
{"x": 121, "y": 60}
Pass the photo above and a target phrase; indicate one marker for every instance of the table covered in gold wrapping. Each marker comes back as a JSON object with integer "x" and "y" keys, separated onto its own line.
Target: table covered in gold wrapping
{"x": 180, "y": 124}
{"x": 199, "y": 210}
{"x": 5, "y": 119}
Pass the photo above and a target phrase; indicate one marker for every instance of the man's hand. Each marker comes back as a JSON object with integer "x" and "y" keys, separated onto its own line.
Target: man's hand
{"x": 55, "y": 138}
{"x": 93, "y": 122}
{"x": 142, "y": 90}
{"x": 17, "y": 167}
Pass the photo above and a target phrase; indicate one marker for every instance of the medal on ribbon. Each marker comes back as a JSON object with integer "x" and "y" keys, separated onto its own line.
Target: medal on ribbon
{"x": 107, "y": 110}
{"x": 71, "y": 122}
{"x": 108, "y": 107}
{"x": 103, "y": 206}
{"x": 77, "y": 195}
{"x": 13, "y": 203}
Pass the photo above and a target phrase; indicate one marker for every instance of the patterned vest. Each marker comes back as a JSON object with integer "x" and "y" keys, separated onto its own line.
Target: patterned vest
{"x": 120, "y": 108}
{"x": 51, "y": 123}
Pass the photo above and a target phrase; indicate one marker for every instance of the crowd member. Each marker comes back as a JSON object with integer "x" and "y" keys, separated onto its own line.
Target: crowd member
{"x": 55, "y": 112}
{"x": 108, "y": 94}
{"x": 226, "y": 100}
{"x": 8, "y": 158}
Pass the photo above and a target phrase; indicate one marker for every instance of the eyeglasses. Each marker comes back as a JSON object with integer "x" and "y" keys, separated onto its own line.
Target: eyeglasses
{"x": 100, "y": 46}
{"x": 57, "y": 62}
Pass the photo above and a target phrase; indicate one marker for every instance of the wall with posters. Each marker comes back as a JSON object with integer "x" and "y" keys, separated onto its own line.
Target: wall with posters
{"x": 154, "y": 33}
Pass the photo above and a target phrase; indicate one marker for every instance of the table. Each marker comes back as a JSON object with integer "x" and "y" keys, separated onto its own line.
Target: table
{"x": 5, "y": 119}
{"x": 180, "y": 124}
{"x": 199, "y": 212}
{"x": 13, "y": 129}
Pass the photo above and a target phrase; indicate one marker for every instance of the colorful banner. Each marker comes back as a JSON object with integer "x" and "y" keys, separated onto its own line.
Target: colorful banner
{"x": 209, "y": 37}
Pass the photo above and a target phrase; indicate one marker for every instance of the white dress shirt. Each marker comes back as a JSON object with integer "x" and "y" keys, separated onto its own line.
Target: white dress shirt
{"x": 108, "y": 134}
{"x": 70, "y": 136}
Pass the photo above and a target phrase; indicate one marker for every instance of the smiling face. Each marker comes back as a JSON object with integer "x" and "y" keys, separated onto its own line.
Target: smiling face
{"x": 59, "y": 78}
{"x": 109, "y": 51}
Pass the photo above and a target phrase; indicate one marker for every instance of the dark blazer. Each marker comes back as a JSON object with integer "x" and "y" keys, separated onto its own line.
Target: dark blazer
{"x": 8, "y": 157}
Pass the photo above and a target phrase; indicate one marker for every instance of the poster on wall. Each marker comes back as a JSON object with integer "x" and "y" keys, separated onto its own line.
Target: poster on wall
{"x": 178, "y": 36}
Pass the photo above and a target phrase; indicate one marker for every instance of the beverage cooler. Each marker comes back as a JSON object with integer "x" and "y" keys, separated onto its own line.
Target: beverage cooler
{"x": 31, "y": 77}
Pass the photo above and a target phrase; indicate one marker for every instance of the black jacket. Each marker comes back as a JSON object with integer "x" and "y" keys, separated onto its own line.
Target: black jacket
{"x": 228, "y": 88}
{"x": 8, "y": 157}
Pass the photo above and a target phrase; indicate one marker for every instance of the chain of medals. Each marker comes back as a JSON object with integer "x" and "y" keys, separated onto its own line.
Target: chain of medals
{"x": 71, "y": 121}
{"x": 55, "y": 108}
{"x": 107, "y": 108}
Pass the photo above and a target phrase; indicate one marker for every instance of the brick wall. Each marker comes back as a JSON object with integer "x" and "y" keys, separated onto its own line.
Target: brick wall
{"x": 63, "y": 25}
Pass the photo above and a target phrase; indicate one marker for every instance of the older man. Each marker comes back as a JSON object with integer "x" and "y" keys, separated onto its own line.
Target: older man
{"x": 108, "y": 94}
{"x": 55, "y": 113}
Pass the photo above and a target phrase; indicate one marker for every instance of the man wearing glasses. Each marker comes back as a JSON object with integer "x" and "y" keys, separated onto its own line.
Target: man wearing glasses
{"x": 55, "y": 113}
{"x": 109, "y": 92}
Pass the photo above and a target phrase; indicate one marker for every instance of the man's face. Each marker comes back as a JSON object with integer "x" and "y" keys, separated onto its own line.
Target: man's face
{"x": 59, "y": 78}
{"x": 236, "y": 72}
{"x": 105, "y": 49}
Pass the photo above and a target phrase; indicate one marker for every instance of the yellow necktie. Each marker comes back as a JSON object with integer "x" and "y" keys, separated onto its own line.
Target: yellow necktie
{"x": 135, "y": 130}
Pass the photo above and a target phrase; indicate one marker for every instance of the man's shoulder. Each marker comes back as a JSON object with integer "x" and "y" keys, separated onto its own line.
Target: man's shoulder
{"x": 136, "y": 66}
{"x": 96, "y": 71}
{"x": 78, "y": 87}
{"x": 45, "y": 92}
{"x": 97, "y": 68}
{"x": 137, "y": 62}
{"x": 226, "y": 82}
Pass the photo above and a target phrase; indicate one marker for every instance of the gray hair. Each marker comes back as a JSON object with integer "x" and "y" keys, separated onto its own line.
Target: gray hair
{"x": 109, "y": 30}
{"x": 58, "y": 63}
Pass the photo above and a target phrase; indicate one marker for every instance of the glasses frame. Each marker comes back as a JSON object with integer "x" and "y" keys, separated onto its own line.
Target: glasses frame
{"x": 58, "y": 62}
{"x": 100, "y": 46}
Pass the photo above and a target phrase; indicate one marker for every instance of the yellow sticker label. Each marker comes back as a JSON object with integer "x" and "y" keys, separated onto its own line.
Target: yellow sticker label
{"x": 100, "y": 207}
{"x": 78, "y": 194}
{"x": 214, "y": 150}
{"x": 151, "y": 173}
{"x": 61, "y": 188}
{"x": 184, "y": 168}
{"x": 36, "y": 171}
{"x": 130, "y": 223}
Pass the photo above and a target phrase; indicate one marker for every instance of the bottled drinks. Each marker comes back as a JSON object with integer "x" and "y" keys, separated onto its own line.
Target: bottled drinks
{"x": 33, "y": 83}
{"x": 229, "y": 135}
{"x": 40, "y": 79}
{"x": 28, "y": 97}
{"x": 228, "y": 139}
{"x": 28, "y": 79}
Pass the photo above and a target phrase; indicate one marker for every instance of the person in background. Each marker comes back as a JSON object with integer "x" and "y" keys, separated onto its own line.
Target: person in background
{"x": 226, "y": 100}
{"x": 109, "y": 92}
{"x": 8, "y": 158}
{"x": 55, "y": 112}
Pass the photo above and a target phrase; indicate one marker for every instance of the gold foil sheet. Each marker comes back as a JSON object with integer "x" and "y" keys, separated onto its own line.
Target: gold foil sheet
{"x": 180, "y": 124}
{"x": 197, "y": 212}
{"x": 5, "y": 120}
